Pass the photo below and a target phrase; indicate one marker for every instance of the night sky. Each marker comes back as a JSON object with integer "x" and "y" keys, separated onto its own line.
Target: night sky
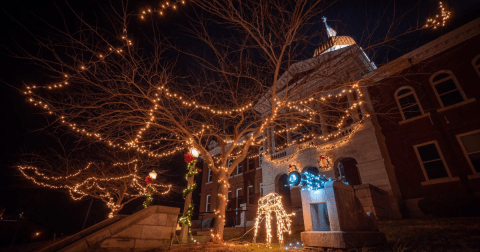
{"x": 55, "y": 211}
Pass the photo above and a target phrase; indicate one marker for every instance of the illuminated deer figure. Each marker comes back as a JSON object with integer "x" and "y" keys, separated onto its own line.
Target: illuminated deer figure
{"x": 272, "y": 203}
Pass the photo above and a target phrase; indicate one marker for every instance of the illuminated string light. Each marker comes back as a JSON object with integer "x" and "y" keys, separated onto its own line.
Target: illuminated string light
{"x": 79, "y": 190}
{"x": 268, "y": 205}
{"x": 162, "y": 9}
{"x": 438, "y": 20}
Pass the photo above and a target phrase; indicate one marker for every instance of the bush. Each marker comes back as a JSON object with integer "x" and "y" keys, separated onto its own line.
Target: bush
{"x": 450, "y": 205}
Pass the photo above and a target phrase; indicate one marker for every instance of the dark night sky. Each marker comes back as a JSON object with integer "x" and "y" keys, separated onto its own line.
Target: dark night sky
{"x": 55, "y": 210}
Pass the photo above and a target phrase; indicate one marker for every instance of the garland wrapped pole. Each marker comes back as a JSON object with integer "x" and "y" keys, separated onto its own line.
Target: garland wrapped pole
{"x": 149, "y": 189}
{"x": 185, "y": 220}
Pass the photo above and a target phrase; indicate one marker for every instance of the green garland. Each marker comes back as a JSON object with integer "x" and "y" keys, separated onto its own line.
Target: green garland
{"x": 192, "y": 171}
{"x": 186, "y": 218}
{"x": 149, "y": 198}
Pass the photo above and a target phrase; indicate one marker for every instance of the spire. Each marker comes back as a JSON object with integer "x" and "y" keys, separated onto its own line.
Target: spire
{"x": 330, "y": 32}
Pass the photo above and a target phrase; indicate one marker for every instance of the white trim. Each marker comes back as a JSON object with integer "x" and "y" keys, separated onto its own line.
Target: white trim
{"x": 453, "y": 78}
{"x": 414, "y": 118}
{"x": 456, "y": 105}
{"x": 465, "y": 151}
{"x": 208, "y": 202}
{"x": 411, "y": 91}
{"x": 440, "y": 180}
{"x": 474, "y": 176}
{"x": 236, "y": 197}
{"x": 477, "y": 67}
{"x": 261, "y": 189}
{"x": 209, "y": 176}
{"x": 427, "y": 180}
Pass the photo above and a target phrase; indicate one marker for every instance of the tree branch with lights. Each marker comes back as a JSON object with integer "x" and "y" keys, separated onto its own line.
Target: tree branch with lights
{"x": 119, "y": 90}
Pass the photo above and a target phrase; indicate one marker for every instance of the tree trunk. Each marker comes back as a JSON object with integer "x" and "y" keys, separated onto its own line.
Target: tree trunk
{"x": 217, "y": 236}
{"x": 188, "y": 200}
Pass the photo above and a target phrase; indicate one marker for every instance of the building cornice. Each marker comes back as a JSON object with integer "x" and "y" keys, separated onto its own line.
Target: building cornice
{"x": 426, "y": 51}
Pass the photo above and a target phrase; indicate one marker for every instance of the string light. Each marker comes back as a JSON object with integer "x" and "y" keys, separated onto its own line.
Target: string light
{"x": 268, "y": 205}
{"x": 162, "y": 9}
{"x": 438, "y": 20}
{"x": 91, "y": 186}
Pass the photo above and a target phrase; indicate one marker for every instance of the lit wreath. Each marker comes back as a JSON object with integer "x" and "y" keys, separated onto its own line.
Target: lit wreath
{"x": 324, "y": 163}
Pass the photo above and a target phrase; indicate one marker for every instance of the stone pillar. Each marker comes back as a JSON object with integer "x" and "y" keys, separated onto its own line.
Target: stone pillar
{"x": 354, "y": 110}
{"x": 363, "y": 106}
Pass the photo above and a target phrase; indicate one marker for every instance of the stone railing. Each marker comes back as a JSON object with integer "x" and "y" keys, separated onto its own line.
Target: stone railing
{"x": 279, "y": 154}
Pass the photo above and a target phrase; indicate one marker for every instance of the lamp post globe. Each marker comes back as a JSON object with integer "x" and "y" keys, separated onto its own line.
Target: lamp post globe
{"x": 194, "y": 152}
{"x": 153, "y": 174}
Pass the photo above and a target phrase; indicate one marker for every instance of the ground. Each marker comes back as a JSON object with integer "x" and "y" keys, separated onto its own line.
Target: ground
{"x": 452, "y": 234}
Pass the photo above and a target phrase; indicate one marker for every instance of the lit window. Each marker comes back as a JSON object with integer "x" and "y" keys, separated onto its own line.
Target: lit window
{"x": 407, "y": 102}
{"x": 431, "y": 160}
{"x": 207, "y": 205}
{"x": 251, "y": 195}
{"x": 476, "y": 64}
{"x": 470, "y": 143}
{"x": 447, "y": 89}
{"x": 210, "y": 175}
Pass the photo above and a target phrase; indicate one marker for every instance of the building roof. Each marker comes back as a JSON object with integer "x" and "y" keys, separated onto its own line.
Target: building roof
{"x": 426, "y": 51}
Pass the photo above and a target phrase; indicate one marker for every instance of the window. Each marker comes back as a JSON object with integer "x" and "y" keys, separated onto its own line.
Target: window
{"x": 251, "y": 195}
{"x": 251, "y": 164}
{"x": 207, "y": 204}
{"x": 431, "y": 160}
{"x": 447, "y": 89}
{"x": 261, "y": 189}
{"x": 229, "y": 163}
{"x": 407, "y": 102}
{"x": 476, "y": 64}
{"x": 239, "y": 168}
{"x": 210, "y": 175}
{"x": 239, "y": 196}
{"x": 229, "y": 196}
{"x": 470, "y": 143}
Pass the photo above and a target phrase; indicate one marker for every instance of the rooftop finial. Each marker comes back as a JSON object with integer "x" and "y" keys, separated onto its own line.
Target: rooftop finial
{"x": 330, "y": 32}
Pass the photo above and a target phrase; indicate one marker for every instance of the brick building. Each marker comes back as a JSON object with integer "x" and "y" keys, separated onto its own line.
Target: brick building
{"x": 433, "y": 136}
{"x": 420, "y": 137}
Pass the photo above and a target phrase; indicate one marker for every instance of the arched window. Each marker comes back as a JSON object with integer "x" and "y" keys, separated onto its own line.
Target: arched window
{"x": 476, "y": 64}
{"x": 447, "y": 89}
{"x": 407, "y": 102}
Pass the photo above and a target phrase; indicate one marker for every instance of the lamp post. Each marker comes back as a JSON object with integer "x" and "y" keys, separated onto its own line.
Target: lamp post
{"x": 188, "y": 208}
{"x": 153, "y": 175}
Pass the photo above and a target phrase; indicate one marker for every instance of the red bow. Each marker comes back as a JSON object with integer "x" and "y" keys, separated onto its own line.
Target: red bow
{"x": 148, "y": 180}
{"x": 189, "y": 158}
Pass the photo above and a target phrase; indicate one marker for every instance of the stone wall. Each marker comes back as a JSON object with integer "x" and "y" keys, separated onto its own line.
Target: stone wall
{"x": 365, "y": 146}
{"x": 374, "y": 200}
{"x": 147, "y": 229}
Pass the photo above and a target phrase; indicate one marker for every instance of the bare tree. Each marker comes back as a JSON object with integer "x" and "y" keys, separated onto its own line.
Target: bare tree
{"x": 114, "y": 178}
{"x": 249, "y": 84}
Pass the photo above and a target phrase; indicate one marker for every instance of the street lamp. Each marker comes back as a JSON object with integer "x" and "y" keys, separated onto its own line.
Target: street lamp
{"x": 153, "y": 174}
{"x": 194, "y": 152}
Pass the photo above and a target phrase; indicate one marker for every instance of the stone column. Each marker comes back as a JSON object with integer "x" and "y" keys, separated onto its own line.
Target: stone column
{"x": 351, "y": 101}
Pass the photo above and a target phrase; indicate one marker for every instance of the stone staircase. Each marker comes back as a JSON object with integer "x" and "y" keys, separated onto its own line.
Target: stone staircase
{"x": 147, "y": 229}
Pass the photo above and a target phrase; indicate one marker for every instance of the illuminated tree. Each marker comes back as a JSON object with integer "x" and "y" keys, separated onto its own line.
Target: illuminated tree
{"x": 94, "y": 175}
{"x": 111, "y": 86}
